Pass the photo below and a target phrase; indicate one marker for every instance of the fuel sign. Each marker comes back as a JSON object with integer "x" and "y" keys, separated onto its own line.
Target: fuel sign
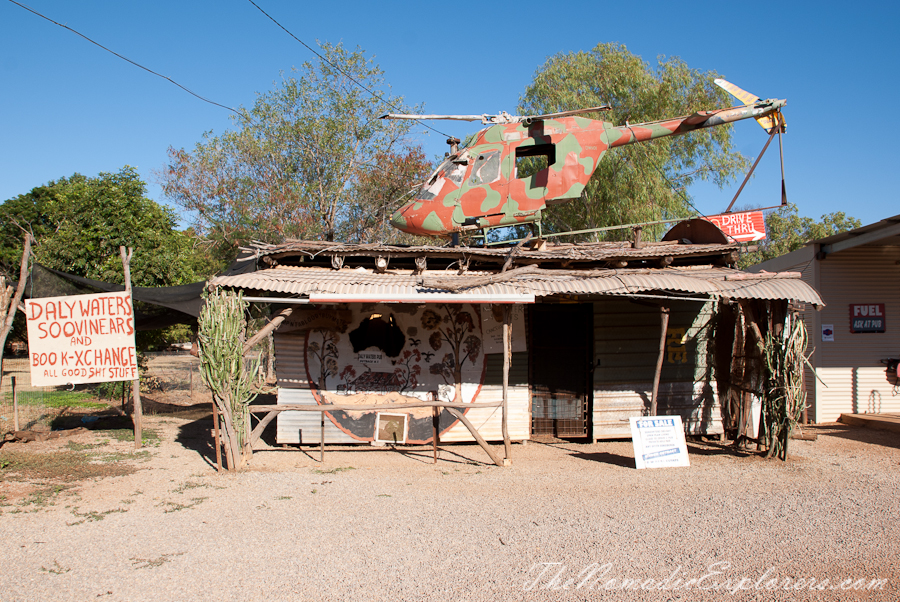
{"x": 867, "y": 317}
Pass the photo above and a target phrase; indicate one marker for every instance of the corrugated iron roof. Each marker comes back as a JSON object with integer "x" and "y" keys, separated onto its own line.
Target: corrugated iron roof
{"x": 712, "y": 282}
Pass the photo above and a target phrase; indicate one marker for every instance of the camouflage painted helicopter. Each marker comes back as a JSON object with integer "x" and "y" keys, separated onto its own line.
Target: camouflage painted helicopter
{"x": 479, "y": 186}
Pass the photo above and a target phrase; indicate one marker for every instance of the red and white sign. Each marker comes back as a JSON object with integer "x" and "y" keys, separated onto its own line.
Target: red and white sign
{"x": 747, "y": 226}
{"x": 81, "y": 339}
{"x": 867, "y": 317}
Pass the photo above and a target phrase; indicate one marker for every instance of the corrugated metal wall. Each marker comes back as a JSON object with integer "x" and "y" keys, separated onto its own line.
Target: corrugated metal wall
{"x": 290, "y": 361}
{"x": 489, "y": 421}
{"x": 850, "y": 367}
{"x": 626, "y": 347}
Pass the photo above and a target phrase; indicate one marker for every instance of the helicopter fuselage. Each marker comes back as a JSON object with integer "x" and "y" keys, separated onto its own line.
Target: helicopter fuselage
{"x": 484, "y": 185}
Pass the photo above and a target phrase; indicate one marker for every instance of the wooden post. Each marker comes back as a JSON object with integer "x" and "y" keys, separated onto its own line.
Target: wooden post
{"x": 136, "y": 383}
{"x": 15, "y": 405}
{"x": 216, "y": 432}
{"x": 15, "y": 300}
{"x": 435, "y": 425}
{"x": 664, "y": 319}
{"x": 322, "y": 441}
{"x": 506, "y": 359}
{"x": 484, "y": 445}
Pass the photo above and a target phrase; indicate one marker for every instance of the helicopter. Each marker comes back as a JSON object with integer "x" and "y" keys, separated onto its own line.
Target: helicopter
{"x": 479, "y": 187}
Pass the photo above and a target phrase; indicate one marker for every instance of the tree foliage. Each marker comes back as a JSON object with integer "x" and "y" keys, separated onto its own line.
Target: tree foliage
{"x": 78, "y": 224}
{"x": 786, "y": 231}
{"x": 646, "y": 181}
{"x": 299, "y": 162}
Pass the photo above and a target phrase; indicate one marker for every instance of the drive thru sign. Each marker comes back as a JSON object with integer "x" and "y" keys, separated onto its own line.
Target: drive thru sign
{"x": 747, "y": 226}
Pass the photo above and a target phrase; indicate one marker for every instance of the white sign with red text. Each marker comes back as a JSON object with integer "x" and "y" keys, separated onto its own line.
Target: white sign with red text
{"x": 81, "y": 339}
{"x": 747, "y": 226}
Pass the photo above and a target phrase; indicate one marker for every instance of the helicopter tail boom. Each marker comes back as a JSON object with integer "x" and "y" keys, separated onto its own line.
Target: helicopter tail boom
{"x": 641, "y": 132}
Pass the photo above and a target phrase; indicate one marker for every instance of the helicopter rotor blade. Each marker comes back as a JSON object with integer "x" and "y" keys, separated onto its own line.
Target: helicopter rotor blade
{"x": 501, "y": 118}
{"x": 433, "y": 117}
{"x": 781, "y": 128}
{"x": 533, "y": 118}
{"x": 767, "y": 122}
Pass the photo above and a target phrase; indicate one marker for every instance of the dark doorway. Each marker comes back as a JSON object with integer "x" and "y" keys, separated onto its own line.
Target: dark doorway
{"x": 561, "y": 355}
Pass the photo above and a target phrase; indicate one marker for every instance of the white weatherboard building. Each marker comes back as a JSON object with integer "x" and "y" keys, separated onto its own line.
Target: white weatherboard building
{"x": 857, "y": 273}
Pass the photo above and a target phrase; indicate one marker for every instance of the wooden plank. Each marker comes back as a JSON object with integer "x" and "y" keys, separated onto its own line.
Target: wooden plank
{"x": 882, "y": 422}
{"x": 255, "y": 409}
{"x": 258, "y": 431}
{"x": 484, "y": 444}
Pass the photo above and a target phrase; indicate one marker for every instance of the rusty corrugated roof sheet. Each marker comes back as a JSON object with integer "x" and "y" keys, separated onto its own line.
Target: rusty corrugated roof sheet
{"x": 711, "y": 282}
{"x": 598, "y": 251}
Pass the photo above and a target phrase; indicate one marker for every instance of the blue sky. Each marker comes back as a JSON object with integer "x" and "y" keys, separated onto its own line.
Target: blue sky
{"x": 68, "y": 106}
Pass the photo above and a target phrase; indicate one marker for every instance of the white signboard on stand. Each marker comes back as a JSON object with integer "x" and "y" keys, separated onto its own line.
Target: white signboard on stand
{"x": 658, "y": 442}
{"x": 81, "y": 339}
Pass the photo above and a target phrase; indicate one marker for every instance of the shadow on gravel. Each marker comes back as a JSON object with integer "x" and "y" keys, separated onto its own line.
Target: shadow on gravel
{"x": 716, "y": 448}
{"x": 197, "y": 436}
{"x": 860, "y": 434}
{"x": 448, "y": 455}
{"x": 605, "y": 458}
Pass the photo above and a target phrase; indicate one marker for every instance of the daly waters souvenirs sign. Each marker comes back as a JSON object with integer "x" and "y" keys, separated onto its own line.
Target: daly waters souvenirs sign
{"x": 81, "y": 339}
{"x": 747, "y": 226}
{"x": 658, "y": 442}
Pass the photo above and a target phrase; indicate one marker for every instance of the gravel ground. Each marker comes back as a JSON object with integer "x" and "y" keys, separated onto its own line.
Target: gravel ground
{"x": 377, "y": 524}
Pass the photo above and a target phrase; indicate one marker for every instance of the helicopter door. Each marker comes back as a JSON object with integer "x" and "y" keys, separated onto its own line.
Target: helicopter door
{"x": 483, "y": 193}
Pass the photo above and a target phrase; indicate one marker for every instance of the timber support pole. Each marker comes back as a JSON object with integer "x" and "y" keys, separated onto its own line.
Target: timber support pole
{"x": 664, "y": 323}
{"x": 136, "y": 383}
{"x": 268, "y": 328}
{"x": 506, "y": 362}
{"x": 484, "y": 444}
{"x": 15, "y": 302}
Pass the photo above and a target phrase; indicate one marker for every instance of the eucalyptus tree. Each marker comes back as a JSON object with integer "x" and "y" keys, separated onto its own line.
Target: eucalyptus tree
{"x": 642, "y": 182}
{"x": 290, "y": 166}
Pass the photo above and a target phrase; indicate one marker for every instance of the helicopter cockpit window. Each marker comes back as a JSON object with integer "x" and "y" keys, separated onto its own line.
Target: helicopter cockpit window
{"x": 453, "y": 168}
{"x": 487, "y": 168}
{"x": 533, "y": 159}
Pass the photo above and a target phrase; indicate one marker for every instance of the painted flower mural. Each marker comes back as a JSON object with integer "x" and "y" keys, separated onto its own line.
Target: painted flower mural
{"x": 383, "y": 361}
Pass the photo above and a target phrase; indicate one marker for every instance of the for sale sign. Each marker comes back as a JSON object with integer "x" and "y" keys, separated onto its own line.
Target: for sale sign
{"x": 658, "y": 442}
{"x": 81, "y": 339}
{"x": 747, "y": 226}
{"x": 867, "y": 317}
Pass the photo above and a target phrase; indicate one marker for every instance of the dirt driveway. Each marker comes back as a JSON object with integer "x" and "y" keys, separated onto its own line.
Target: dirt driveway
{"x": 87, "y": 518}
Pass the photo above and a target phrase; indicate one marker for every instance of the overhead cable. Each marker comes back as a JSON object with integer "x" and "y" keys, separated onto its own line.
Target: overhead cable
{"x": 78, "y": 33}
{"x": 350, "y": 77}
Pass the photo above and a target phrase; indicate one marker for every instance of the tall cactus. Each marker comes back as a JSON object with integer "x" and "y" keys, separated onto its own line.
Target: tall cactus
{"x": 222, "y": 334}
{"x": 785, "y": 398}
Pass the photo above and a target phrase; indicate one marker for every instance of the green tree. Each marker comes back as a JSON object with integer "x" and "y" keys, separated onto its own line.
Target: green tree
{"x": 786, "y": 231}
{"x": 79, "y": 222}
{"x": 376, "y": 192}
{"x": 642, "y": 182}
{"x": 289, "y": 168}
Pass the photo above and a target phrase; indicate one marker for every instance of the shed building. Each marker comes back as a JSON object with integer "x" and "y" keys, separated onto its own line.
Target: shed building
{"x": 379, "y": 324}
{"x": 857, "y": 274}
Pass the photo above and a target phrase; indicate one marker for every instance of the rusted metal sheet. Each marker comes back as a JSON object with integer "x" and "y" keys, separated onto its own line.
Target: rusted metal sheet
{"x": 712, "y": 282}
{"x": 626, "y": 350}
{"x": 696, "y": 403}
{"x": 580, "y": 252}
{"x": 305, "y": 427}
{"x": 290, "y": 361}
